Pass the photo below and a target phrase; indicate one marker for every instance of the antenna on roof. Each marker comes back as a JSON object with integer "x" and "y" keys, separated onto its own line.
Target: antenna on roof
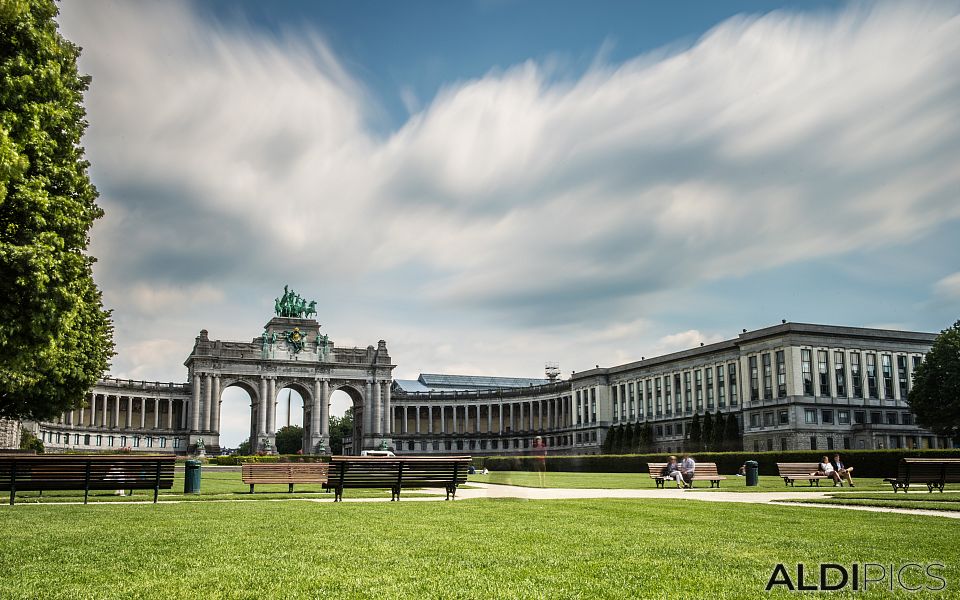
{"x": 552, "y": 369}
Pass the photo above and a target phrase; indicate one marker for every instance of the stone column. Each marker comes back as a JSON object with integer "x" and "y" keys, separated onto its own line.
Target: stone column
{"x": 207, "y": 401}
{"x": 379, "y": 412}
{"x": 388, "y": 426}
{"x": 443, "y": 419}
{"x": 128, "y": 422}
{"x": 215, "y": 404}
{"x": 156, "y": 413}
{"x": 369, "y": 413}
{"x": 80, "y": 414}
{"x": 316, "y": 415}
{"x": 272, "y": 406}
{"x": 405, "y": 426}
{"x": 170, "y": 413}
{"x": 143, "y": 413}
{"x": 325, "y": 413}
{"x": 454, "y": 423}
{"x": 195, "y": 403}
{"x": 500, "y": 418}
{"x": 430, "y": 418}
{"x": 417, "y": 422}
{"x": 261, "y": 413}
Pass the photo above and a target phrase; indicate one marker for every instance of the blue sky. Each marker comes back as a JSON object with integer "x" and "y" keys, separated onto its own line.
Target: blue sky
{"x": 491, "y": 185}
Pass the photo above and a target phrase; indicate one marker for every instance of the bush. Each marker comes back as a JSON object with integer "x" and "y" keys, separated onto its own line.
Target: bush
{"x": 867, "y": 463}
{"x": 267, "y": 458}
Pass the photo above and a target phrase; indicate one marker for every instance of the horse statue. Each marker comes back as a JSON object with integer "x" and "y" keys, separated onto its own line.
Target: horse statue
{"x": 311, "y": 309}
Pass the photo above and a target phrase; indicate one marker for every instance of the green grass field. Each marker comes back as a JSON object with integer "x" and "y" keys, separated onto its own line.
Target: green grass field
{"x": 467, "y": 549}
{"x": 562, "y": 479}
{"x": 916, "y": 501}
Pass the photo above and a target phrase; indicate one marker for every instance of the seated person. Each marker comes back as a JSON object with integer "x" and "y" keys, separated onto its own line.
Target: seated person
{"x": 827, "y": 469}
{"x": 688, "y": 468}
{"x": 842, "y": 470}
{"x": 672, "y": 471}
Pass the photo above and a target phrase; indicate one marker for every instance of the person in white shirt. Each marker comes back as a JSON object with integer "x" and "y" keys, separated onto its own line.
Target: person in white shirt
{"x": 688, "y": 467}
{"x": 827, "y": 469}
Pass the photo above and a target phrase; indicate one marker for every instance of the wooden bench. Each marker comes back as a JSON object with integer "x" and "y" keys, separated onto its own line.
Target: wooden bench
{"x": 397, "y": 472}
{"x": 934, "y": 472}
{"x": 792, "y": 472}
{"x": 703, "y": 471}
{"x": 280, "y": 473}
{"x": 84, "y": 472}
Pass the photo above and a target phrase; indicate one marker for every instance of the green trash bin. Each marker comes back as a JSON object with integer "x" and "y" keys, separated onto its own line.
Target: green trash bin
{"x": 753, "y": 470}
{"x": 191, "y": 477}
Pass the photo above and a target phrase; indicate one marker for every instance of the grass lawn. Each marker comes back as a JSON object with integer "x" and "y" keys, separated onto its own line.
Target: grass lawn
{"x": 562, "y": 479}
{"x": 924, "y": 501}
{"x": 482, "y": 548}
{"x": 215, "y": 484}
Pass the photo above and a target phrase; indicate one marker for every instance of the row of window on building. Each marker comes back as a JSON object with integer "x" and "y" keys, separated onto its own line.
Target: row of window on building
{"x": 830, "y": 416}
{"x": 676, "y": 394}
{"x": 864, "y": 377}
{"x": 888, "y": 441}
{"x": 107, "y": 441}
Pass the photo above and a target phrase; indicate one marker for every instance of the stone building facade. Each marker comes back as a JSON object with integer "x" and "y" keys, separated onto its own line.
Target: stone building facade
{"x": 9, "y": 434}
{"x": 792, "y": 386}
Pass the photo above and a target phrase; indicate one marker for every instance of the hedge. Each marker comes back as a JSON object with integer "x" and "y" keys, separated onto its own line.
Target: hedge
{"x": 867, "y": 463}
{"x": 267, "y": 458}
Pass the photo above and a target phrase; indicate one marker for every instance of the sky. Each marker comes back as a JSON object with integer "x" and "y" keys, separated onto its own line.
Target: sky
{"x": 492, "y": 185}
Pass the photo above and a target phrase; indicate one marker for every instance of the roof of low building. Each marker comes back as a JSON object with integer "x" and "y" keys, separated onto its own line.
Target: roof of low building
{"x": 428, "y": 382}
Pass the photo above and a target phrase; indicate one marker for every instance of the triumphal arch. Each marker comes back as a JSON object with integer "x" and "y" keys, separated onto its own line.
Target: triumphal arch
{"x": 290, "y": 353}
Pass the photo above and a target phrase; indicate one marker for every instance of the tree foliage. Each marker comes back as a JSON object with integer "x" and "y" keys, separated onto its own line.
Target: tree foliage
{"x": 244, "y": 448}
{"x": 289, "y": 439}
{"x": 341, "y": 428}
{"x": 935, "y": 397}
{"x": 696, "y": 435}
{"x": 55, "y": 336}
{"x": 719, "y": 429}
{"x": 732, "y": 440}
{"x": 706, "y": 434}
{"x": 28, "y": 441}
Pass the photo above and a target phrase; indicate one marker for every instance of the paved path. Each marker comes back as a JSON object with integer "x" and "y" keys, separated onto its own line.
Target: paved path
{"x": 491, "y": 490}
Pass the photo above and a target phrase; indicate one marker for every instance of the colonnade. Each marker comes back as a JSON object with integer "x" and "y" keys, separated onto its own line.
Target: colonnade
{"x": 424, "y": 414}
{"x": 122, "y": 411}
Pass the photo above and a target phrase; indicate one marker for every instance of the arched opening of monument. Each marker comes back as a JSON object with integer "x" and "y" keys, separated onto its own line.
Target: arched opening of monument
{"x": 236, "y": 415}
{"x": 346, "y": 428}
{"x": 290, "y": 433}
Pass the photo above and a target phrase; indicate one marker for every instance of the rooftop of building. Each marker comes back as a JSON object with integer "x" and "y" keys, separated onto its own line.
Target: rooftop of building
{"x": 430, "y": 382}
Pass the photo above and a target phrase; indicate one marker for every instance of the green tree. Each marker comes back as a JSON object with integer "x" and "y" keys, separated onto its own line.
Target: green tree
{"x": 608, "y": 440}
{"x": 340, "y": 428}
{"x": 289, "y": 439}
{"x": 28, "y": 441}
{"x": 706, "y": 434}
{"x": 646, "y": 438}
{"x": 244, "y": 448}
{"x": 622, "y": 443}
{"x": 732, "y": 441}
{"x": 935, "y": 397}
{"x": 695, "y": 434}
{"x": 55, "y": 336}
{"x": 626, "y": 438}
{"x": 719, "y": 427}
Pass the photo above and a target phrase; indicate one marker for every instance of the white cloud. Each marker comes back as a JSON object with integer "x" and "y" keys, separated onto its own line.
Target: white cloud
{"x": 230, "y": 161}
{"x": 948, "y": 288}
